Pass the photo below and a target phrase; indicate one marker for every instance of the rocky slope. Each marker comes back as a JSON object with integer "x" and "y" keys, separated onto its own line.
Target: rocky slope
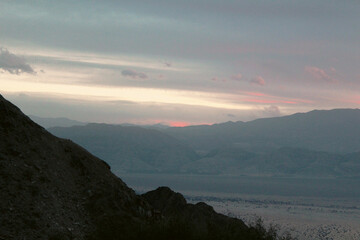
{"x": 198, "y": 221}
{"x": 51, "y": 188}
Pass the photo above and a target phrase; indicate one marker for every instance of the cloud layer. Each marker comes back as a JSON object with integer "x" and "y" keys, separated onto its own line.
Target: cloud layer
{"x": 258, "y": 80}
{"x": 133, "y": 74}
{"x": 14, "y": 64}
{"x": 244, "y": 54}
{"x": 320, "y": 74}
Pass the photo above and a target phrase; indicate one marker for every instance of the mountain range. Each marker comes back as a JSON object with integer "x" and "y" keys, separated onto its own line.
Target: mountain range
{"x": 48, "y": 122}
{"x": 130, "y": 148}
{"x": 56, "y": 122}
{"x": 322, "y": 143}
{"x": 335, "y": 131}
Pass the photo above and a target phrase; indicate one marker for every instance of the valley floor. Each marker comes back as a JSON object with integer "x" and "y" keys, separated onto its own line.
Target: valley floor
{"x": 306, "y": 219}
{"x": 313, "y": 209}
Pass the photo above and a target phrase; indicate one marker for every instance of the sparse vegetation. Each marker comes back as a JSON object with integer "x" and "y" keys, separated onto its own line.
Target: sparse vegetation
{"x": 111, "y": 228}
{"x": 271, "y": 232}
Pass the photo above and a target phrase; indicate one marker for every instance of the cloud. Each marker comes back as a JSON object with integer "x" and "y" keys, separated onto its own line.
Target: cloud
{"x": 272, "y": 111}
{"x": 258, "y": 80}
{"x": 13, "y": 64}
{"x": 320, "y": 74}
{"x": 255, "y": 100}
{"x": 230, "y": 115}
{"x": 133, "y": 74}
{"x": 168, "y": 64}
{"x": 161, "y": 76}
{"x": 216, "y": 79}
{"x": 237, "y": 77}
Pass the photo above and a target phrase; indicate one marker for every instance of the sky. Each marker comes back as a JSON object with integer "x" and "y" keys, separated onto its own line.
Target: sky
{"x": 179, "y": 62}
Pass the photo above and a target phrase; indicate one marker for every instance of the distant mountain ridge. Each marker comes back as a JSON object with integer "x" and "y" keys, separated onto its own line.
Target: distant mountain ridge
{"x": 313, "y": 144}
{"x": 336, "y": 131}
{"x": 47, "y": 122}
{"x": 130, "y": 148}
{"x": 289, "y": 162}
{"x": 56, "y": 122}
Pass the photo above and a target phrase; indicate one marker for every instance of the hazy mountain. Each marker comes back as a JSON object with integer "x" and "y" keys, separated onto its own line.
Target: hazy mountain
{"x": 55, "y": 122}
{"x": 66, "y": 122}
{"x": 281, "y": 162}
{"x": 336, "y": 131}
{"x": 313, "y": 144}
{"x": 157, "y": 126}
{"x": 130, "y": 148}
{"x": 220, "y": 161}
{"x": 51, "y": 188}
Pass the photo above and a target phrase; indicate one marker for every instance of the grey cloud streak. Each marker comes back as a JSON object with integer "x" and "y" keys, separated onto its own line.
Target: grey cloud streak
{"x": 131, "y": 112}
{"x": 14, "y": 64}
{"x": 133, "y": 74}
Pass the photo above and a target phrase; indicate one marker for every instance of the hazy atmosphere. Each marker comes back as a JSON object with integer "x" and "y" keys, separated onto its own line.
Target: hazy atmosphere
{"x": 170, "y": 119}
{"x": 179, "y": 62}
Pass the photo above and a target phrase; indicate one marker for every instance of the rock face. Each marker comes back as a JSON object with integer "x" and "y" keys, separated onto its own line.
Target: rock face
{"x": 51, "y": 188}
{"x": 197, "y": 221}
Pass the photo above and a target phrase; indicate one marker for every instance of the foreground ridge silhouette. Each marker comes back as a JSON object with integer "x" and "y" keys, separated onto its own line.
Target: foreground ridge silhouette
{"x": 51, "y": 188}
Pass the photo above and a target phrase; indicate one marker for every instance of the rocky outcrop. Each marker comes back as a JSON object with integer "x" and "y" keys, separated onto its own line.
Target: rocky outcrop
{"x": 51, "y": 188}
{"x": 197, "y": 221}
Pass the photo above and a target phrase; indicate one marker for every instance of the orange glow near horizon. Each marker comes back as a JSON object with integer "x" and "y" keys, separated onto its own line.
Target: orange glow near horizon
{"x": 179, "y": 124}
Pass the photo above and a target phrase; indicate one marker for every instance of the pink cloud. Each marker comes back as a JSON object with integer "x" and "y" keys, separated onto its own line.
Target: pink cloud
{"x": 333, "y": 70}
{"x": 258, "y": 80}
{"x": 216, "y": 79}
{"x": 352, "y": 99}
{"x": 237, "y": 77}
{"x": 320, "y": 74}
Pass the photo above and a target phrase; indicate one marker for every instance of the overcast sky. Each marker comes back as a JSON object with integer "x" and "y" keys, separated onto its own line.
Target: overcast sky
{"x": 179, "y": 62}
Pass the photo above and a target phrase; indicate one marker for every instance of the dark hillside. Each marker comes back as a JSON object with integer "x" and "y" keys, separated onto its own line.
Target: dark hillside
{"x": 51, "y": 188}
{"x": 198, "y": 221}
